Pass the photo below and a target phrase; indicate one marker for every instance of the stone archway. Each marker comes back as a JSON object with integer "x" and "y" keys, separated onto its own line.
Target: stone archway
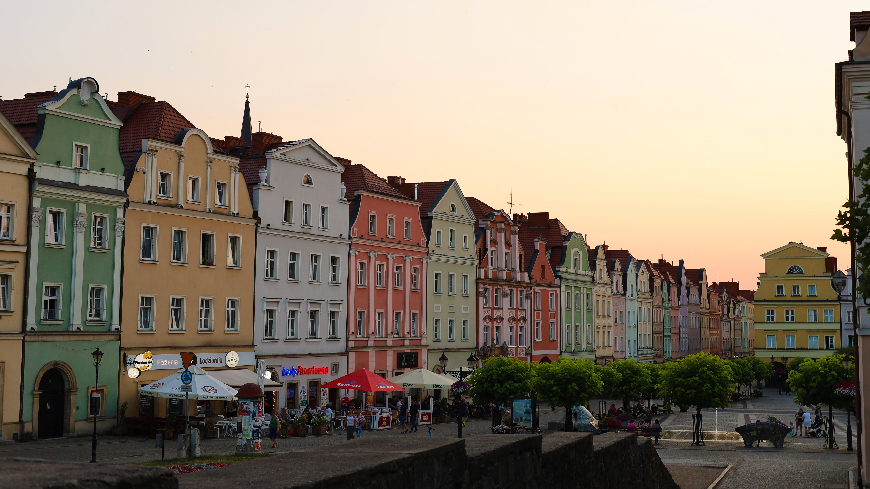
{"x": 61, "y": 371}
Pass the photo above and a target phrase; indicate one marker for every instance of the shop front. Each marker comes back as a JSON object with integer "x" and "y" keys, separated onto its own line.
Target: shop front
{"x": 300, "y": 380}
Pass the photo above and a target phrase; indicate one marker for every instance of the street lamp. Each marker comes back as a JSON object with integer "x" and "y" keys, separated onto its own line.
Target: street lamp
{"x": 98, "y": 356}
{"x": 847, "y": 361}
{"x": 472, "y": 360}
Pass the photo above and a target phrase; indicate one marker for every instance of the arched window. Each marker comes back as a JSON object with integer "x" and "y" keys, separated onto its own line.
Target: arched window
{"x": 453, "y": 208}
{"x": 306, "y": 180}
{"x": 794, "y": 269}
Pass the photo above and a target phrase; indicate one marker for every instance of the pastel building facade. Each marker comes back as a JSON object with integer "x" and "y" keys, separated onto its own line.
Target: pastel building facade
{"x": 602, "y": 292}
{"x": 576, "y": 281}
{"x": 644, "y": 312}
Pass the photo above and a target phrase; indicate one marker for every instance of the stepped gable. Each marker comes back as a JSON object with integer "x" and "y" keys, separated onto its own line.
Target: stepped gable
{"x": 359, "y": 178}
{"x": 23, "y": 113}
{"x": 479, "y": 208}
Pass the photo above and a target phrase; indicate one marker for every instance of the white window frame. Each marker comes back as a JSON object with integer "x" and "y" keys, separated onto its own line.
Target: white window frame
{"x": 795, "y": 287}
{"x": 287, "y": 212}
{"x": 194, "y": 189}
{"x": 553, "y": 303}
{"x": 152, "y": 310}
{"x": 293, "y": 314}
{"x": 464, "y": 330}
{"x": 86, "y": 155}
{"x": 451, "y": 238}
{"x": 828, "y": 315}
{"x": 101, "y": 317}
{"x": 414, "y": 318}
{"x": 334, "y": 321}
{"x": 334, "y": 269}
{"x": 415, "y": 278}
{"x": 811, "y": 290}
{"x": 324, "y": 217}
{"x": 361, "y": 323}
{"x": 790, "y": 342}
{"x": 361, "y": 273}
{"x": 208, "y": 324}
{"x": 315, "y": 268}
{"x": 6, "y": 292}
{"x": 771, "y": 342}
{"x": 832, "y": 344}
{"x": 451, "y": 284}
{"x": 465, "y": 282}
{"x": 464, "y": 241}
{"x": 407, "y": 227}
{"x": 270, "y": 263}
{"x": 234, "y": 261}
{"x": 183, "y": 233}
{"x": 397, "y": 323}
{"x": 202, "y": 259}
{"x": 183, "y": 310}
{"x": 398, "y": 272}
{"x": 810, "y": 339}
{"x": 154, "y": 242}
{"x": 538, "y": 327}
{"x": 789, "y": 313}
{"x": 293, "y": 261}
{"x": 812, "y": 315}
{"x": 168, "y": 193}
{"x": 306, "y": 214}
{"x": 436, "y": 328}
{"x": 770, "y": 315}
{"x": 496, "y": 297}
{"x": 486, "y": 297}
{"x": 391, "y": 226}
{"x": 379, "y": 274}
{"x": 451, "y": 329}
{"x": 95, "y": 217}
{"x": 436, "y": 283}
{"x": 61, "y": 241}
{"x": 780, "y": 290}
{"x": 7, "y": 221}
{"x": 437, "y": 237}
{"x": 270, "y": 321}
{"x": 313, "y": 323}
{"x": 373, "y": 223}
{"x": 552, "y": 330}
{"x": 232, "y": 323}
{"x": 218, "y": 201}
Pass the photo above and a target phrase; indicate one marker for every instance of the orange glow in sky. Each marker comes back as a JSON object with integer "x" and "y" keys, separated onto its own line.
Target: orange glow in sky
{"x": 697, "y": 130}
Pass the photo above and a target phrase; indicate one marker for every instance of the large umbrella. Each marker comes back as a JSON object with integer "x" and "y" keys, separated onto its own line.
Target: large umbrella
{"x": 362, "y": 380}
{"x": 422, "y": 378}
{"x": 204, "y": 387}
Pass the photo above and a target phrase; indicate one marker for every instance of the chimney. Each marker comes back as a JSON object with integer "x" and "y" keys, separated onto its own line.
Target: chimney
{"x": 133, "y": 99}
{"x": 343, "y": 161}
{"x": 831, "y": 264}
{"x": 261, "y": 140}
{"x": 823, "y": 249}
{"x": 415, "y": 191}
{"x": 395, "y": 181}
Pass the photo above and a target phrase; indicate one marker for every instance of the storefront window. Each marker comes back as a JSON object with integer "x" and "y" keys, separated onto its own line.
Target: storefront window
{"x": 314, "y": 393}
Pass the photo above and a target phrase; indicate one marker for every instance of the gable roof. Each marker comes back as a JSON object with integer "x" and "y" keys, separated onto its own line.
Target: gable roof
{"x": 147, "y": 120}
{"x": 622, "y": 256}
{"x": 23, "y": 112}
{"x": 479, "y": 208}
{"x": 428, "y": 193}
{"x": 359, "y": 178}
{"x": 792, "y": 244}
{"x": 16, "y": 137}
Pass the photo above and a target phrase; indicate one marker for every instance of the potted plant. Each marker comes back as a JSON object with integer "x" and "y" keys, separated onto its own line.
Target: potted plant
{"x": 300, "y": 429}
{"x": 285, "y": 427}
{"x": 210, "y": 429}
{"x": 320, "y": 425}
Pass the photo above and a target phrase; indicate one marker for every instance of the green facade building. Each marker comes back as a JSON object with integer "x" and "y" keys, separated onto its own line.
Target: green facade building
{"x": 575, "y": 277}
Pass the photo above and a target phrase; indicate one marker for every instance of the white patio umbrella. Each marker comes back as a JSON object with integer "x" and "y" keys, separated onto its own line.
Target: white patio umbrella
{"x": 204, "y": 387}
{"x": 423, "y": 379}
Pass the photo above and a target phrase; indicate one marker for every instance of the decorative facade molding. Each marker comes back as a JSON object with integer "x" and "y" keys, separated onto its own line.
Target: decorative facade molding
{"x": 36, "y": 217}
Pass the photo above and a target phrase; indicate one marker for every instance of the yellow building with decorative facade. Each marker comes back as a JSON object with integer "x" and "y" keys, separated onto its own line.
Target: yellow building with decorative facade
{"x": 796, "y": 307}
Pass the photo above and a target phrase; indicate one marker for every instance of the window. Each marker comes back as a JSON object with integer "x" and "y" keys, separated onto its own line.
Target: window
{"x": 6, "y": 215}
{"x": 379, "y": 324}
{"x": 789, "y": 315}
{"x": 522, "y": 301}
{"x": 828, "y": 315}
{"x": 588, "y": 301}
{"x": 437, "y": 329}
{"x": 511, "y": 298}
{"x": 438, "y": 237}
{"x": 407, "y": 229}
{"x": 333, "y": 324}
{"x": 437, "y": 286}
{"x": 415, "y": 275}
{"x": 99, "y": 231}
{"x": 537, "y": 331}
{"x": 373, "y": 224}
{"x": 811, "y": 290}
{"x": 552, "y": 301}
{"x": 271, "y": 264}
{"x": 207, "y": 249}
{"x": 232, "y": 315}
{"x": 451, "y": 284}
{"x": 307, "y": 181}
{"x": 496, "y": 297}
{"x": 813, "y": 342}
{"x": 146, "y": 313}
{"x": 324, "y": 217}
{"x": 5, "y": 292}
{"x": 54, "y": 227}
{"x": 780, "y": 290}
{"x": 335, "y": 269}
{"x": 306, "y": 214}
{"x": 537, "y": 300}
{"x": 361, "y": 273}
{"x": 293, "y": 266}
{"x": 288, "y": 212}
{"x": 849, "y": 317}
{"x": 234, "y": 251}
{"x": 521, "y": 336}
{"x": 451, "y": 330}
{"x": 149, "y": 243}
{"x": 80, "y": 156}
{"x": 397, "y": 323}
{"x": 314, "y": 276}
{"x": 789, "y": 341}
{"x": 829, "y": 343}
{"x": 397, "y": 277}
{"x": 464, "y": 241}
{"x": 176, "y": 313}
{"x": 795, "y": 290}
{"x": 379, "y": 275}
{"x": 507, "y": 260}
{"x": 269, "y": 323}
{"x": 486, "y": 335}
{"x": 293, "y": 324}
{"x": 465, "y": 330}
{"x": 220, "y": 194}
{"x": 193, "y": 189}
{"x": 465, "y": 285}
{"x": 451, "y": 239}
{"x": 414, "y": 324}
{"x": 770, "y": 315}
{"x": 313, "y": 317}
{"x": 179, "y": 246}
{"x": 205, "y": 314}
{"x": 771, "y": 341}
{"x": 486, "y": 297}
{"x": 491, "y": 258}
{"x": 97, "y": 303}
{"x": 812, "y": 316}
{"x": 391, "y": 227}
{"x": 164, "y": 184}
{"x": 576, "y": 300}
{"x": 552, "y": 330}
{"x": 511, "y": 335}
{"x": 360, "y": 323}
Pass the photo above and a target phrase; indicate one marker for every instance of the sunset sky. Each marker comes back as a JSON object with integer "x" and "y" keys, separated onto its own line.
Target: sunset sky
{"x": 695, "y": 130}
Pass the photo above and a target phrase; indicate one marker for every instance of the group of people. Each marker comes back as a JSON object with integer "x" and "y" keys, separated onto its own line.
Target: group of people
{"x": 354, "y": 424}
{"x": 804, "y": 421}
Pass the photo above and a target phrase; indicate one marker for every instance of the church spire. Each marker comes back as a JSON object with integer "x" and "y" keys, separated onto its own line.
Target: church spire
{"x": 246, "y": 120}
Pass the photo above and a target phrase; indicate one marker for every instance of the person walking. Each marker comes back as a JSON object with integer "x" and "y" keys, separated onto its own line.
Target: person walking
{"x": 657, "y": 430}
{"x": 463, "y": 411}
{"x": 807, "y": 423}
{"x": 360, "y": 422}
{"x": 350, "y": 425}
{"x": 403, "y": 416}
{"x": 414, "y": 411}
{"x": 798, "y": 421}
{"x": 273, "y": 430}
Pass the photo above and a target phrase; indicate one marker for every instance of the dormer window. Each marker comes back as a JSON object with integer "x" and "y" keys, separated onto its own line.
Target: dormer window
{"x": 306, "y": 180}
{"x": 453, "y": 208}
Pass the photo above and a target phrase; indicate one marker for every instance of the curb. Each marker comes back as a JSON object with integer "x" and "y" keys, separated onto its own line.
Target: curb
{"x": 721, "y": 476}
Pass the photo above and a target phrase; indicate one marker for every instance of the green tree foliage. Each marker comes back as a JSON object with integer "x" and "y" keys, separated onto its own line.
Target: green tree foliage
{"x": 567, "y": 383}
{"x": 742, "y": 371}
{"x": 701, "y": 380}
{"x": 815, "y": 381}
{"x": 854, "y": 221}
{"x": 795, "y": 363}
{"x": 761, "y": 370}
{"x": 610, "y": 379}
{"x": 634, "y": 380}
{"x": 654, "y": 371}
{"x": 500, "y": 379}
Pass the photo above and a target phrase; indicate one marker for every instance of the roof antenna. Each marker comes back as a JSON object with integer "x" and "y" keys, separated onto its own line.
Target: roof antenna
{"x": 512, "y": 203}
{"x": 259, "y": 126}
{"x": 54, "y": 89}
{"x": 247, "y": 91}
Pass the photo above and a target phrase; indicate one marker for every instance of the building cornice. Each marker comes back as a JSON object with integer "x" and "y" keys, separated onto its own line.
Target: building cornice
{"x": 158, "y": 209}
{"x": 282, "y": 233}
{"x": 45, "y": 190}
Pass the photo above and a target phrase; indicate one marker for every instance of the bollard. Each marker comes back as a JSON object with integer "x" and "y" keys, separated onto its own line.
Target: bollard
{"x": 194, "y": 443}
{"x": 183, "y": 446}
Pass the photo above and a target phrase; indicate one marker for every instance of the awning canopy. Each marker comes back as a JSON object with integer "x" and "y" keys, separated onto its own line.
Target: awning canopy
{"x": 239, "y": 377}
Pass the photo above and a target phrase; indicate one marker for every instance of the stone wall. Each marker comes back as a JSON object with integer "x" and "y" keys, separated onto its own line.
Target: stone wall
{"x": 49, "y": 474}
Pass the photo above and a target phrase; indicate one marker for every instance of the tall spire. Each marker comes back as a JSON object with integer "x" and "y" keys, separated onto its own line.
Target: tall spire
{"x": 246, "y": 120}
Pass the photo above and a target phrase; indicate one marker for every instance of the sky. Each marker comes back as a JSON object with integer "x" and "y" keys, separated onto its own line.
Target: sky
{"x": 702, "y": 131}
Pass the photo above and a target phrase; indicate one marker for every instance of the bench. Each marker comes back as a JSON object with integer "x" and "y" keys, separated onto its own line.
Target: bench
{"x": 766, "y": 430}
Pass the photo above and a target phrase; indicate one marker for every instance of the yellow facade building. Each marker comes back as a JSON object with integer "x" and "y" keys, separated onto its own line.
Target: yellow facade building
{"x": 16, "y": 159}
{"x": 797, "y": 310}
{"x": 188, "y": 256}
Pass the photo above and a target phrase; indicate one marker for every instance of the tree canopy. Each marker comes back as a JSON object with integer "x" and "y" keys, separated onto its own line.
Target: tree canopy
{"x": 610, "y": 378}
{"x": 815, "y": 382}
{"x": 500, "y": 379}
{"x": 701, "y": 380}
{"x": 742, "y": 371}
{"x": 634, "y": 380}
{"x": 567, "y": 382}
{"x": 795, "y": 363}
{"x": 761, "y": 370}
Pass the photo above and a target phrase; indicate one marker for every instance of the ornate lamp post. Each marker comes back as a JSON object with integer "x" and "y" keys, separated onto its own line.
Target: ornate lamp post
{"x": 98, "y": 357}
{"x": 847, "y": 361}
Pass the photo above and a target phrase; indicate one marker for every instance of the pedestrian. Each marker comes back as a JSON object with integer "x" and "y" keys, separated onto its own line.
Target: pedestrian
{"x": 403, "y": 416}
{"x": 798, "y": 421}
{"x": 657, "y": 430}
{"x": 360, "y": 422}
{"x": 463, "y": 411}
{"x": 414, "y": 411}
{"x": 273, "y": 431}
{"x": 630, "y": 427}
{"x": 807, "y": 423}
{"x": 350, "y": 424}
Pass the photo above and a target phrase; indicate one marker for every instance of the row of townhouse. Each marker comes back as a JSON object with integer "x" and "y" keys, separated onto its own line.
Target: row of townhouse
{"x": 125, "y": 227}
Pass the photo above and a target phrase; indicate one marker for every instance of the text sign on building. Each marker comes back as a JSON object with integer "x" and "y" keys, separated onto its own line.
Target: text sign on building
{"x": 300, "y": 370}
{"x": 203, "y": 360}
{"x": 406, "y": 360}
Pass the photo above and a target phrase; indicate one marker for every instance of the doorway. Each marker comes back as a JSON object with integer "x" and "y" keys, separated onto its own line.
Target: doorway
{"x": 51, "y": 404}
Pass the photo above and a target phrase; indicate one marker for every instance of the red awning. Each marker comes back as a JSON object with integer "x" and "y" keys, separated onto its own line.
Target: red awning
{"x": 362, "y": 380}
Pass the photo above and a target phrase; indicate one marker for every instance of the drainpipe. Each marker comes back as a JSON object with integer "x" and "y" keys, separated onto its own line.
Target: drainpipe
{"x": 31, "y": 180}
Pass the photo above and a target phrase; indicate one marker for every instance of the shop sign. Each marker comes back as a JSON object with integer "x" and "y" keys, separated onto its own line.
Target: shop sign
{"x": 300, "y": 370}
{"x": 173, "y": 360}
{"x": 324, "y": 396}
{"x": 407, "y": 360}
{"x": 522, "y": 411}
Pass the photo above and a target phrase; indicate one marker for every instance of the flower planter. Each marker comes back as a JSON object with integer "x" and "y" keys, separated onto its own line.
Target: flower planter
{"x": 300, "y": 431}
{"x": 318, "y": 430}
{"x": 211, "y": 433}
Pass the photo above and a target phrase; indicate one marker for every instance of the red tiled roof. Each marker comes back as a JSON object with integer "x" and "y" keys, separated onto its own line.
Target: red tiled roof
{"x": 621, "y": 255}
{"x": 748, "y": 295}
{"x": 427, "y": 192}
{"x": 149, "y": 120}
{"x": 22, "y": 112}
{"x": 733, "y": 288}
{"x": 358, "y": 177}
{"x": 479, "y": 208}
{"x": 693, "y": 274}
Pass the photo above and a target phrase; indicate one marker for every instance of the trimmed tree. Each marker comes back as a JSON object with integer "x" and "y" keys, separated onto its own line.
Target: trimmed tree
{"x": 795, "y": 363}
{"x": 702, "y": 380}
{"x": 742, "y": 371}
{"x": 567, "y": 383}
{"x": 610, "y": 378}
{"x": 634, "y": 380}
{"x": 815, "y": 382}
{"x": 761, "y": 370}
{"x": 498, "y": 380}
{"x": 654, "y": 371}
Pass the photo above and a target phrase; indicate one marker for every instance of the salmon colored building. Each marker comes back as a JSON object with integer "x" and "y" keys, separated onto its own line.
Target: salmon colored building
{"x": 388, "y": 269}
{"x": 534, "y": 235}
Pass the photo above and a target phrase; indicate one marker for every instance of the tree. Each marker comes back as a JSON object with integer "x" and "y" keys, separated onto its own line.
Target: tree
{"x": 610, "y": 378}
{"x": 701, "y": 380}
{"x": 815, "y": 382}
{"x": 742, "y": 372}
{"x": 567, "y": 383}
{"x": 633, "y": 381}
{"x": 795, "y": 363}
{"x": 655, "y": 378}
{"x": 498, "y": 380}
{"x": 854, "y": 221}
{"x": 761, "y": 370}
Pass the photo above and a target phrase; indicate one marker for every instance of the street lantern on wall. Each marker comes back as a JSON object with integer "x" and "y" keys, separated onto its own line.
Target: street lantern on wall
{"x": 98, "y": 357}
